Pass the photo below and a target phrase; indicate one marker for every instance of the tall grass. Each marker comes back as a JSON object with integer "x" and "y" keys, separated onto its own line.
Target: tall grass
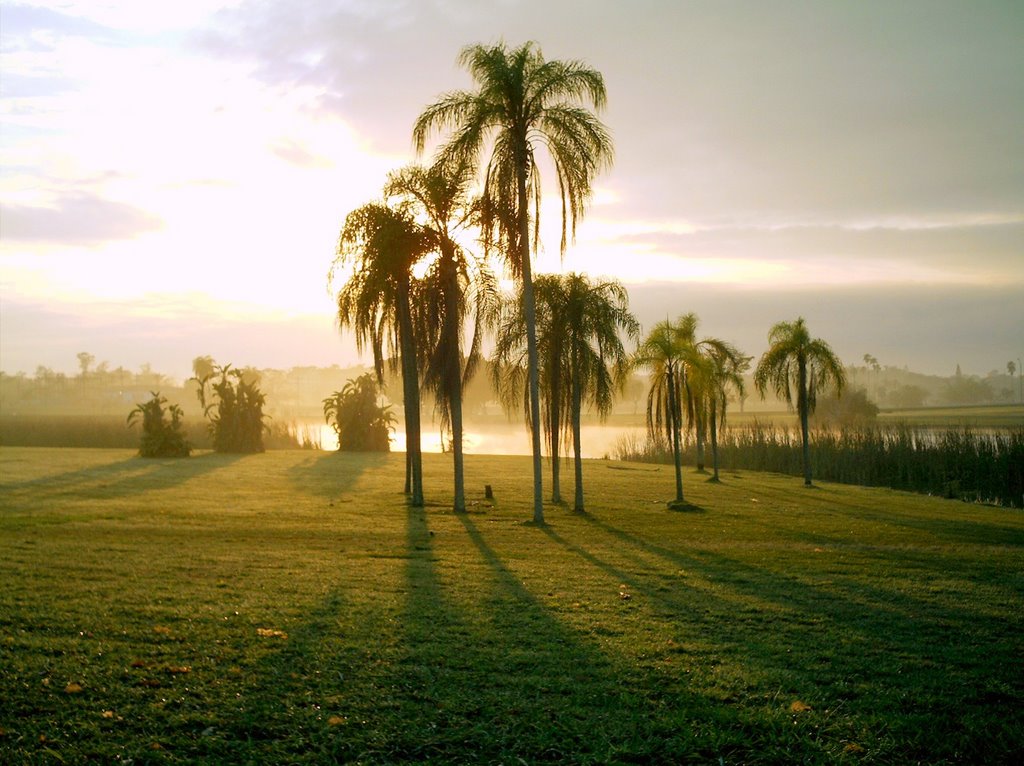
{"x": 984, "y": 466}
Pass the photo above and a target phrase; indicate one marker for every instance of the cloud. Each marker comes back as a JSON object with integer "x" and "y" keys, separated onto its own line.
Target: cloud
{"x": 294, "y": 153}
{"x": 75, "y": 219}
{"x": 930, "y": 329}
{"x": 954, "y": 252}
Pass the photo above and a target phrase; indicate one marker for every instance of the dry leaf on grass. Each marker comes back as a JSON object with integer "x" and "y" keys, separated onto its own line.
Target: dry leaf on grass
{"x": 271, "y": 633}
{"x": 72, "y": 688}
{"x": 162, "y": 630}
{"x": 799, "y": 707}
{"x": 108, "y": 713}
{"x": 335, "y": 720}
{"x": 173, "y": 669}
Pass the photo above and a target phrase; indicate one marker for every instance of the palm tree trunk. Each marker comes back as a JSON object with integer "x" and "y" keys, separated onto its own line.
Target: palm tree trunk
{"x": 714, "y": 440}
{"x": 802, "y": 407}
{"x": 411, "y": 392}
{"x": 456, "y": 414}
{"x": 530, "y": 318}
{"x": 673, "y": 417}
{"x": 555, "y": 412}
{"x": 701, "y": 430}
{"x": 577, "y": 406}
{"x": 454, "y": 382}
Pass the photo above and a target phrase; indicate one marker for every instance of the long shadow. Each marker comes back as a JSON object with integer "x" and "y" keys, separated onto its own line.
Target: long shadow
{"x": 333, "y": 474}
{"x": 124, "y": 477}
{"x": 950, "y": 530}
{"x": 495, "y": 676}
{"x": 914, "y": 642}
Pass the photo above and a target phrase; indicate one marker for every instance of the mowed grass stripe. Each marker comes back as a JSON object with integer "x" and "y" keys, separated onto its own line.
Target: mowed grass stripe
{"x": 768, "y": 624}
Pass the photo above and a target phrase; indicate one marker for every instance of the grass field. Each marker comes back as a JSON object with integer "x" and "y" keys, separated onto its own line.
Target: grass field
{"x": 289, "y": 608}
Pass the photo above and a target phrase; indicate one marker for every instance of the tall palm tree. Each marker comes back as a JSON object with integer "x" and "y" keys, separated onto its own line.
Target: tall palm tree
{"x": 455, "y": 286}
{"x": 510, "y": 369}
{"x": 665, "y": 353}
{"x": 581, "y": 359}
{"x": 378, "y": 247}
{"x": 522, "y": 103}
{"x": 595, "y": 315}
{"x": 719, "y": 368}
{"x": 798, "y": 366}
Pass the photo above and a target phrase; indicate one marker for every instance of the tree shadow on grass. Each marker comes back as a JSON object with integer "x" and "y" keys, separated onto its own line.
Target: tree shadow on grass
{"x": 896, "y": 646}
{"x": 123, "y": 477}
{"x": 502, "y": 678}
{"x": 332, "y": 474}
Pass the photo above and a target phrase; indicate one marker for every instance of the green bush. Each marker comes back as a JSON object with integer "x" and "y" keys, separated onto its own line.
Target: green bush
{"x": 360, "y": 423}
{"x": 160, "y": 437}
{"x": 235, "y": 410}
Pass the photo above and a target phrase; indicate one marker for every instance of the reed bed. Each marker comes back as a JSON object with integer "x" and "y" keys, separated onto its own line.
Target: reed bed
{"x": 964, "y": 463}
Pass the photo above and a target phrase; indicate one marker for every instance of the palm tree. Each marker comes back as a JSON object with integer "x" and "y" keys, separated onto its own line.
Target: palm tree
{"x": 523, "y": 102}
{"x": 595, "y": 314}
{"x": 719, "y": 368}
{"x": 455, "y": 285}
{"x": 797, "y": 365}
{"x": 379, "y": 245}
{"x": 665, "y": 352}
{"x": 509, "y": 370}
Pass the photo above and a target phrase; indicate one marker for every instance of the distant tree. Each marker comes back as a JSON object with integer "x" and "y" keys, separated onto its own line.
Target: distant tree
{"x": 522, "y": 104}
{"x": 853, "y": 408}
{"x": 797, "y": 367}
{"x": 85, "y": 361}
{"x": 908, "y": 395}
{"x": 234, "y": 409}
{"x": 359, "y": 422}
{"x": 161, "y": 437}
{"x": 967, "y": 389}
{"x": 203, "y": 367}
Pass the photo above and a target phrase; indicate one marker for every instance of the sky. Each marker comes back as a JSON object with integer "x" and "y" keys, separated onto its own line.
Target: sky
{"x": 173, "y": 176}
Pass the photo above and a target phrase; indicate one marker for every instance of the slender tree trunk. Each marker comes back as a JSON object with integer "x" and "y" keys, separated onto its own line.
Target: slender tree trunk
{"x": 555, "y": 411}
{"x": 411, "y": 390}
{"x": 673, "y": 416}
{"x": 714, "y": 441}
{"x": 577, "y": 406}
{"x": 530, "y": 318}
{"x": 701, "y": 431}
{"x": 802, "y": 408}
{"x": 453, "y": 373}
{"x": 456, "y": 413}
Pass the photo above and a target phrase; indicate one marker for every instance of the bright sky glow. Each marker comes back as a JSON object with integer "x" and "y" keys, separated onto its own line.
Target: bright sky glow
{"x": 194, "y": 162}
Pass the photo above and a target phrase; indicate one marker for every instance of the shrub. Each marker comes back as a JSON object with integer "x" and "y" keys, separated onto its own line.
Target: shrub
{"x": 236, "y": 416}
{"x": 160, "y": 437}
{"x": 360, "y": 423}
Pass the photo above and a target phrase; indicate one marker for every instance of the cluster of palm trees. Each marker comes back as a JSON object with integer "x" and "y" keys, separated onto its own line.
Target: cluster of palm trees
{"x": 521, "y": 104}
{"x": 692, "y": 381}
{"x": 412, "y": 291}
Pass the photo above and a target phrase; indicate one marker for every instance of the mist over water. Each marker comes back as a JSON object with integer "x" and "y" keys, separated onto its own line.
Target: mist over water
{"x": 489, "y": 439}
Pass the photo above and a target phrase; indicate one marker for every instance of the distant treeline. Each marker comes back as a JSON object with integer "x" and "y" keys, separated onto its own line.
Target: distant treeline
{"x": 964, "y": 463}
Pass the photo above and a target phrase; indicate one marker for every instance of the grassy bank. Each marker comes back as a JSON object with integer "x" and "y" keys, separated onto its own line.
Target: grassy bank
{"x": 112, "y": 432}
{"x": 289, "y": 608}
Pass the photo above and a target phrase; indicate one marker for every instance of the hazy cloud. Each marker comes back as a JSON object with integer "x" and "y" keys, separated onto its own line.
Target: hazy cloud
{"x": 75, "y": 219}
{"x": 296, "y": 154}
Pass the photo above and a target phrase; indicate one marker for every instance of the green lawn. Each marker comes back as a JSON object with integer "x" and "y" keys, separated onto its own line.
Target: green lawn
{"x": 289, "y": 608}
